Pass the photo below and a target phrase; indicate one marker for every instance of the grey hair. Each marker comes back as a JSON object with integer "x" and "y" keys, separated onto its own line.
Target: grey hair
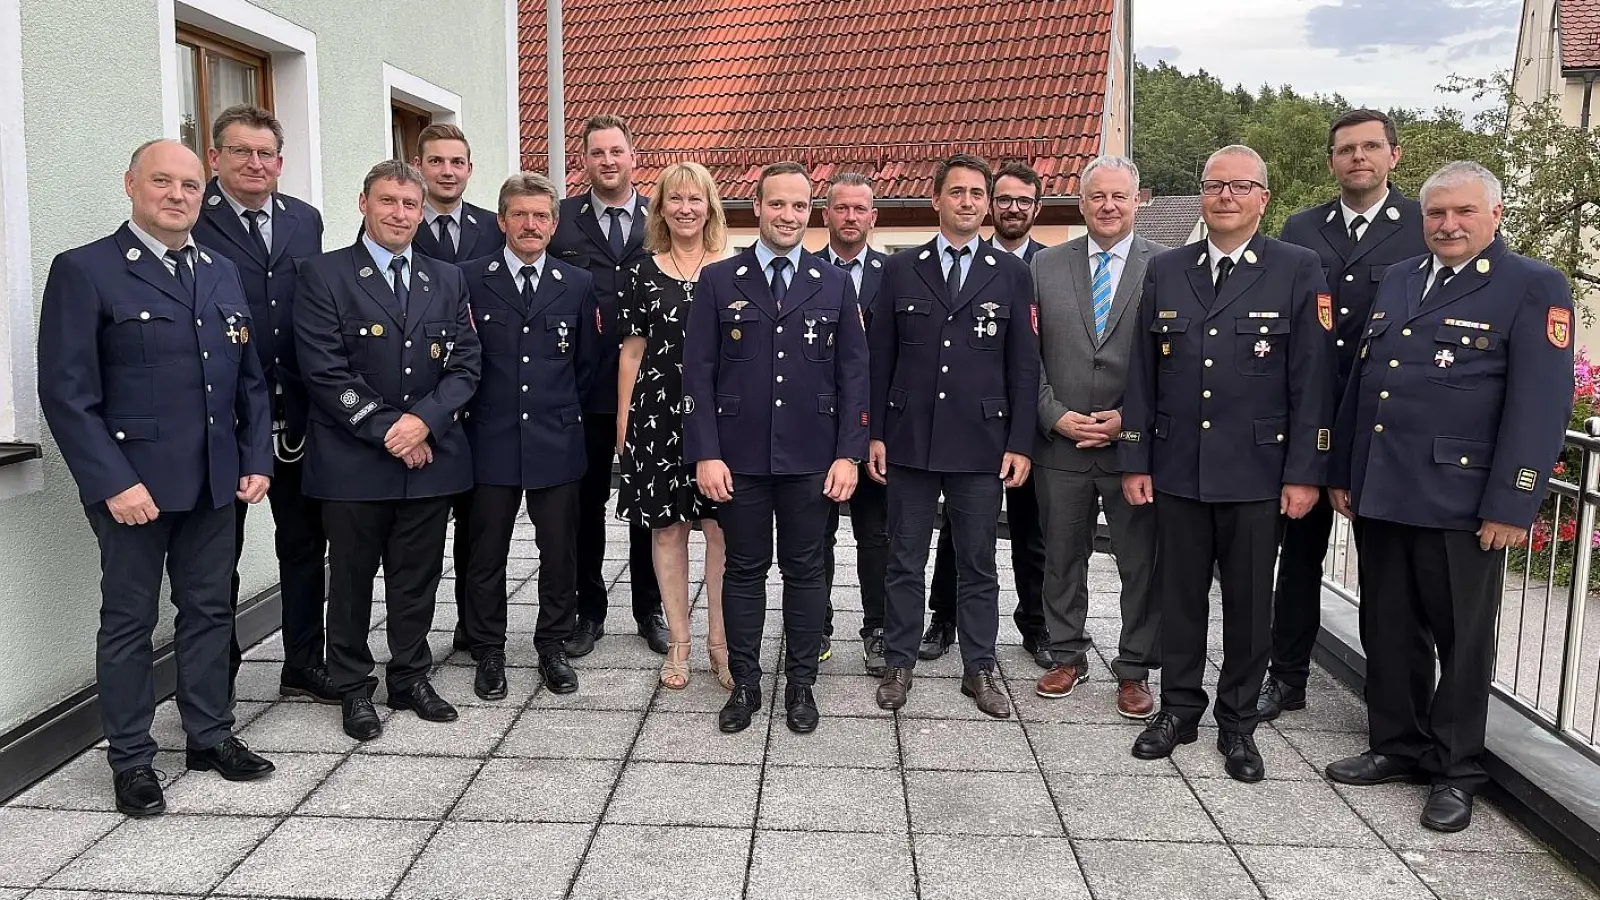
{"x": 529, "y": 184}
{"x": 1111, "y": 164}
{"x": 1453, "y": 174}
{"x": 1238, "y": 150}
{"x": 393, "y": 170}
{"x": 848, "y": 179}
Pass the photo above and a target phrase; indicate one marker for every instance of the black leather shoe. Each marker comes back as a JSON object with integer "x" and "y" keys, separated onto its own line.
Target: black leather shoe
{"x": 459, "y": 642}
{"x": 490, "y": 682}
{"x": 743, "y": 703}
{"x": 1162, "y": 735}
{"x": 1039, "y": 646}
{"x": 654, "y": 632}
{"x": 423, "y": 700}
{"x": 936, "y": 640}
{"x": 314, "y": 683}
{"x": 139, "y": 792}
{"x": 1278, "y": 698}
{"x": 231, "y": 759}
{"x": 557, "y": 673}
{"x": 1242, "y": 758}
{"x": 1371, "y": 768}
{"x": 583, "y": 638}
{"x": 1448, "y": 809}
{"x": 800, "y": 708}
{"x": 361, "y": 718}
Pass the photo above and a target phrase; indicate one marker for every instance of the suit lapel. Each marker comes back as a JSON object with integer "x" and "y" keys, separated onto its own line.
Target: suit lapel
{"x": 148, "y": 267}
{"x": 206, "y": 278}
{"x": 590, "y": 225}
{"x": 503, "y": 282}
{"x": 1380, "y": 229}
{"x": 806, "y": 283}
{"x": 284, "y": 222}
{"x": 979, "y": 274}
{"x": 1128, "y": 288}
{"x": 219, "y": 212}
{"x": 551, "y": 287}
{"x": 376, "y": 283}
{"x": 1245, "y": 274}
{"x": 423, "y": 278}
{"x": 871, "y": 279}
{"x": 425, "y": 241}
{"x": 1200, "y": 277}
{"x": 637, "y": 228}
{"x": 1333, "y": 231}
{"x": 1080, "y": 274}
{"x": 468, "y": 237}
{"x": 927, "y": 265}
{"x": 751, "y": 283}
{"x": 1416, "y": 279}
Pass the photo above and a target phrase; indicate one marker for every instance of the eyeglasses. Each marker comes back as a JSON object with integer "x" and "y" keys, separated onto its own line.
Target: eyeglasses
{"x": 243, "y": 154}
{"x": 1005, "y": 201}
{"x": 1238, "y": 188}
{"x": 1367, "y": 148}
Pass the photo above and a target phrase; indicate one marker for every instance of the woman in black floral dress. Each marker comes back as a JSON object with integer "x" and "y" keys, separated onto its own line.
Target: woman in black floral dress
{"x": 685, "y": 229}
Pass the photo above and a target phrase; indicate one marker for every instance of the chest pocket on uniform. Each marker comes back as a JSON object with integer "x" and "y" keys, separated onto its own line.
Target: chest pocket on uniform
{"x": 738, "y": 334}
{"x": 821, "y": 329}
{"x": 441, "y": 340}
{"x": 1462, "y": 357}
{"x": 1375, "y": 330}
{"x": 1168, "y": 333}
{"x": 498, "y": 331}
{"x": 988, "y": 331}
{"x": 134, "y": 338}
{"x": 911, "y": 319}
{"x": 364, "y": 344}
{"x": 1260, "y": 345}
{"x": 560, "y": 331}
{"x": 237, "y": 330}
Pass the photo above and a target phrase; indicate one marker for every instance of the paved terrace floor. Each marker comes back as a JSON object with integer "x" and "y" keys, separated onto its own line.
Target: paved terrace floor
{"x": 627, "y": 790}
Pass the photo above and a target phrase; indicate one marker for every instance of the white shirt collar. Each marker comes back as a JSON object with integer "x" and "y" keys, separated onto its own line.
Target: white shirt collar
{"x": 600, "y": 206}
{"x": 431, "y": 215}
{"x": 514, "y": 264}
{"x": 1119, "y": 250}
{"x": 943, "y": 244}
{"x": 1217, "y": 255}
{"x": 383, "y": 257}
{"x": 1020, "y": 253}
{"x": 1371, "y": 214}
{"x": 155, "y": 246}
{"x": 239, "y": 209}
{"x": 765, "y": 256}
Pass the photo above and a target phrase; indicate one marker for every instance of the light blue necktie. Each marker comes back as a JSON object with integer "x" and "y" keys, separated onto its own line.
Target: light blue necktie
{"x": 1101, "y": 288}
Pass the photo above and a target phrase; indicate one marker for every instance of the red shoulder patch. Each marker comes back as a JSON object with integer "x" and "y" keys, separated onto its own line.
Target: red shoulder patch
{"x": 1558, "y": 327}
{"x": 1325, "y": 311}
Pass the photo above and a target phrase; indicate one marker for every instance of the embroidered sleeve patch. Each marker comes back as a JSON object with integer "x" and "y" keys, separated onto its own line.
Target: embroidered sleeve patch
{"x": 1558, "y": 327}
{"x": 363, "y": 413}
{"x": 1324, "y": 440}
{"x": 863, "y": 418}
{"x": 598, "y": 328}
{"x": 1527, "y": 479}
{"x": 1033, "y": 309}
{"x": 1325, "y": 311}
{"x": 1131, "y": 437}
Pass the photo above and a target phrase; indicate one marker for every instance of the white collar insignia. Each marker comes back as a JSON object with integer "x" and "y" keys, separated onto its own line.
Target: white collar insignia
{"x": 366, "y": 272}
{"x": 214, "y": 200}
{"x": 1331, "y": 213}
{"x": 280, "y": 203}
{"x": 494, "y": 266}
{"x": 742, "y": 270}
{"x": 988, "y": 259}
{"x": 814, "y": 274}
{"x": 205, "y": 257}
{"x": 1250, "y": 257}
{"x": 423, "y": 275}
{"x": 556, "y": 274}
{"x": 923, "y": 254}
{"x": 1392, "y": 213}
{"x": 134, "y": 254}
{"x": 876, "y": 264}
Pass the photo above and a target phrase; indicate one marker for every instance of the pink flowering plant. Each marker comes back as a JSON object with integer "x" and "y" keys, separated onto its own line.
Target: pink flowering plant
{"x": 1552, "y": 542}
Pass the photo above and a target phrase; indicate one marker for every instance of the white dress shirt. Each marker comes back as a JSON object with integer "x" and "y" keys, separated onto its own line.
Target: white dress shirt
{"x": 515, "y": 266}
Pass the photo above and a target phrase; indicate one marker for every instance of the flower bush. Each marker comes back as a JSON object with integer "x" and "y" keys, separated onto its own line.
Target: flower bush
{"x": 1552, "y": 542}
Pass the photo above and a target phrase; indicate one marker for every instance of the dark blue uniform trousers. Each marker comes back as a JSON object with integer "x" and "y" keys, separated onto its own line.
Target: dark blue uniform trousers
{"x": 1025, "y": 525}
{"x": 196, "y": 549}
{"x": 869, "y": 520}
{"x": 489, "y": 522}
{"x": 302, "y": 548}
{"x": 1297, "y": 603}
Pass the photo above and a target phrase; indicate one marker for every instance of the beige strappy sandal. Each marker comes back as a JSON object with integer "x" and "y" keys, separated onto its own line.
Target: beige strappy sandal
{"x": 719, "y": 667}
{"x": 675, "y": 672}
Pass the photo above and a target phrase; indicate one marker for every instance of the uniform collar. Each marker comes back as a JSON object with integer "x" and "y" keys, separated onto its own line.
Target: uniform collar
{"x": 941, "y": 243}
{"x": 155, "y": 246}
{"x": 1020, "y": 253}
{"x": 1370, "y": 214}
{"x": 431, "y": 215}
{"x": 514, "y": 265}
{"x": 600, "y": 206}
{"x": 382, "y": 256}
{"x": 1215, "y": 256}
{"x": 765, "y": 256}
{"x": 239, "y": 209}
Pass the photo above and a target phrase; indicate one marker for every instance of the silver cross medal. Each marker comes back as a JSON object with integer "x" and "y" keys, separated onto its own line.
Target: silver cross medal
{"x": 561, "y": 332}
{"x": 1445, "y": 358}
{"x": 1263, "y": 348}
{"x": 811, "y": 332}
{"x": 978, "y": 329}
{"x": 232, "y": 333}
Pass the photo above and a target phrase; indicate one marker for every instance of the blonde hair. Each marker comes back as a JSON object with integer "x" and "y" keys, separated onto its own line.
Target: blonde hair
{"x": 657, "y": 233}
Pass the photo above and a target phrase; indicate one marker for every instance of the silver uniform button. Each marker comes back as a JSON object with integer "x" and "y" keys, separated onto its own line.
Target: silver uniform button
{"x": 1349, "y": 278}
{"x": 1213, "y": 331}
{"x": 1394, "y": 363}
{"x": 1208, "y": 363}
{"x": 144, "y": 316}
{"x": 408, "y": 370}
{"x": 780, "y": 354}
{"x": 1206, "y": 424}
{"x": 524, "y": 359}
{"x": 780, "y": 329}
{"x": 1344, "y": 310}
{"x": 524, "y": 416}
{"x": 780, "y": 379}
{"x": 1206, "y": 394}
{"x": 1378, "y": 428}
{"x": 524, "y": 329}
{"x": 206, "y": 354}
{"x": 777, "y": 403}
{"x": 408, "y": 345}
{"x": 944, "y": 368}
{"x": 524, "y": 389}
{"x": 1339, "y": 342}
{"x": 947, "y": 343}
{"x": 941, "y": 395}
{"x": 122, "y": 436}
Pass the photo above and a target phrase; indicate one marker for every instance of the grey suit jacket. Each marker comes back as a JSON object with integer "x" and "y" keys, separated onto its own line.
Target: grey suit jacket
{"x": 1080, "y": 373}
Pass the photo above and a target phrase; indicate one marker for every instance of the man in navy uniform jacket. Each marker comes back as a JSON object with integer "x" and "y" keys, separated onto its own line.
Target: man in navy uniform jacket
{"x": 160, "y": 411}
{"x": 775, "y": 419}
{"x": 389, "y": 357}
{"x": 525, "y": 425}
{"x": 1455, "y": 414}
{"x": 453, "y": 230}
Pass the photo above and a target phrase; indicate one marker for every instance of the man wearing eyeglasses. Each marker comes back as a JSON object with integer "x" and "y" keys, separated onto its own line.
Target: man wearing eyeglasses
{"x": 267, "y": 234}
{"x": 1358, "y": 234}
{"x": 1227, "y": 425}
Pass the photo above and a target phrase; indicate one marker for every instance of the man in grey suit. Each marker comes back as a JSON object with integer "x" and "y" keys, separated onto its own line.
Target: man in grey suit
{"x": 1088, "y": 295}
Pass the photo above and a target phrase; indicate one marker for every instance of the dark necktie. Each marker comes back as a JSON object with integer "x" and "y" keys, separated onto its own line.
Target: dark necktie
{"x": 530, "y": 283}
{"x": 180, "y": 270}
{"x": 780, "y": 288}
{"x": 253, "y": 219}
{"x": 614, "y": 234}
{"x": 1444, "y": 275}
{"x": 397, "y": 267}
{"x": 1224, "y": 269}
{"x": 447, "y": 244}
{"x": 952, "y": 279}
{"x": 1356, "y": 225}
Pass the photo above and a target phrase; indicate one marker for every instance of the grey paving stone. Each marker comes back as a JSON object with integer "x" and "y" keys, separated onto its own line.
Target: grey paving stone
{"x": 623, "y": 689}
{"x": 838, "y": 741}
{"x": 300, "y": 727}
{"x": 848, "y": 695}
{"x": 167, "y": 727}
{"x": 513, "y": 861}
{"x": 1283, "y": 813}
{"x": 685, "y": 794}
{"x": 862, "y": 800}
{"x": 1394, "y": 811}
{"x": 693, "y": 737}
{"x": 1321, "y": 747}
{"x": 392, "y": 787}
{"x": 539, "y": 790}
{"x": 621, "y": 648}
{"x": 787, "y": 864}
{"x": 1282, "y": 760}
{"x": 343, "y": 859}
{"x": 997, "y": 868}
{"x": 1330, "y": 706}
{"x": 43, "y": 894}
{"x": 1317, "y": 873}
{"x": 628, "y": 862}
{"x": 258, "y": 680}
{"x": 981, "y": 803}
{"x": 941, "y": 698}
{"x": 704, "y": 695}
{"x": 194, "y": 853}
{"x": 1093, "y": 703}
{"x": 478, "y": 731}
{"x": 1136, "y": 870}
{"x": 1121, "y": 807}
{"x": 1098, "y": 750}
{"x": 37, "y": 842}
{"x": 956, "y": 745}
{"x": 571, "y": 734}
{"x": 85, "y": 783}
{"x": 455, "y": 683}
{"x": 1458, "y": 875}
{"x": 276, "y": 795}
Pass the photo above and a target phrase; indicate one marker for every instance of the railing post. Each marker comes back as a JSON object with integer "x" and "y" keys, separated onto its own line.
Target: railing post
{"x": 1566, "y": 701}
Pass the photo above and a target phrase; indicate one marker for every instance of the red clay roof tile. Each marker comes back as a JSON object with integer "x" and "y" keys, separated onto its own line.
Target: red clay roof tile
{"x": 1580, "y": 33}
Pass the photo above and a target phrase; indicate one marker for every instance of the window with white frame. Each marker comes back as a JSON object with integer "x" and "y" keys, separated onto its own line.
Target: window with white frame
{"x": 19, "y": 404}
{"x": 412, "y": 104}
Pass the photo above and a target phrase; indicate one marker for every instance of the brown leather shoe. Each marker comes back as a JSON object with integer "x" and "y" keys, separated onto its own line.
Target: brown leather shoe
{"x": 894, "y": 687}
{"x": 1060, "y": 680}
{"x": 991, "y": 700}
{"x": 1134, "y": 700}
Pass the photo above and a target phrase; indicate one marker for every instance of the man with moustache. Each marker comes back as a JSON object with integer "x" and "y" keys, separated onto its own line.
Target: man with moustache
{"x": 603, "y": 231}
{"x": 1359, "y": 234}
{"x": 850, "y": 218}
{"x": 1456, "y": 412}
{"x": 163, "y": 424}
{"x": 453, "y": 230}
{"x": 1088, "y": 291}
{"x": 267, "y": 234}
{"x": 775, "y": 419}
{"x": 389, "y": 357}
{"x": 525, "y": 426}
{"x": 1227, "y": 427}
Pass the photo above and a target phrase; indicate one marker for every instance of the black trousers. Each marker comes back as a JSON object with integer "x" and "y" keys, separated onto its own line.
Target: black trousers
{"x": 972, "y": 504}
{"x": 600, "y": 439}
{"x": 800, "y": 509}
{"x": 194, "y": 547}
{"x": 869, "y": 521}
{"x": 1025, "y": 524}
{"x": 1425, "y": 590}
{"x": 1297, "y": 603}
{"x": 491, "y": 518}
{"x": 407, "y": 538}
{"x": 1241, "y": 539}
{"x": 302, "y": 549}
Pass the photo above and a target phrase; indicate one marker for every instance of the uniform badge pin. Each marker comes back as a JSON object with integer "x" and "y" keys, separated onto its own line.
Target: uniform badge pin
{"x": 1166, "y": 348}
{"x": 1445, "y": 358}
{"x": 280, "y": 204}
{"x": 922, "y": 255}
{"x": 434, "y": 351}
{"x": 494, "y": 266}
{"x": 377, "y": 330}
{"x": 471, "y": 218}
{"x": 989, "y": 260}
{"x": 1331, "y": 214}
{"x": 556, "y": 274}
{"x": 813, "y": 273}
{"x": 876, "y": 264}
{"x": 992, "y": 328}
{"x": 1250, "y": 257}
{"x": 830, "y": 340}
{"x": 348, "y": 399}
{"x": 244, "y": 335}
{"x": 1201, "y": 261}
{"x": 366, "y": 272}
{"x": 423, "y": 275}
{"x": 738, "y": 305}
{"x": 1481, "y": 343}
{"x": 585, "y": 208}
{"x": 214, "y": 200}
{"x": 989, "y": 308}
{"x": 205, "y": 257}
{"x": 736, "y": 334}
{"x": 742, "y": 270}
{"x": 133, "y": 254}
{"x": 1392, "y": 213}
{"x": 1483, "y": 267}
{"x": 1263, "y": 347}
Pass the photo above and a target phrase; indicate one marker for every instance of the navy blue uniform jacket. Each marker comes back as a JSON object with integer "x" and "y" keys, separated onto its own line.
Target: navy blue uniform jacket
{"x": 578, "y": 241}
{"x": 140, "y": 384}
{"x": 1457, "y": 410}
{"x": 871, "y": 280}
{"x": 480, "y": 236}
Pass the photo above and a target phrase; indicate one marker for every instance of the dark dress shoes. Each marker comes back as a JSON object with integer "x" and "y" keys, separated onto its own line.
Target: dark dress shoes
{"x": 936, "y": 640}
{"x": 800, "y": 709}
{"x": 1278, "y": 698}
{"x": 557, "y": 673}
{"x": 459, "y": 642}
{"x": 743, "y": 703}
{"x": 314, "y": 683}
{"x": 231, "y": 759}
{"x": 1241, "y": 757}
{"x": 490, "y": 682}
{"x": 1448, "y": 809}
{"x": 654, "y": 632}
{"x": 1371, "y": 768}
{"x": 422, "y": 699}
{"x": 583, "y": 638}
{"x": 982, "y": 689}
{"x": 1162, "y": 736}
{"x": 1038, "y": 646}
{"x": 139, "y": 792}
{"x": 361, "y": 718}
{"x": 894, "y": 688}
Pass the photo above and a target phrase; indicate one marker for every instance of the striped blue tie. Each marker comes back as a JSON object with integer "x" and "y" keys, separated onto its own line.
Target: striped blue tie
{"x": 1101, "y": 287}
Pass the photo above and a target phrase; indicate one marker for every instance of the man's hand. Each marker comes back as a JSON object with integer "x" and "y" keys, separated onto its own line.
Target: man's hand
{"x": 1108, "y": 423}
{"x": 1137, "y": 490}
{"x": 841, "y": 482}
{"x": 1498, "y": 536}
{"x": 133, "y": 506}
{"x": 419, "y": 456}
{"x": 1339, "y": 498}
{"x": 1014, "y": 469}
{"x": 878, "y": 462}
{"x": 1297, "y": 499}
{"x": 715, "y": 480}
{"x": 405, "y": 434}
{"x": 252, "y": 488}
{"x": 1076, "y": 427}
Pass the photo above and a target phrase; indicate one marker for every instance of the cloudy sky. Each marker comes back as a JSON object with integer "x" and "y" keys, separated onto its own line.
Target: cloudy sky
{"x": 1378, "y": 53}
